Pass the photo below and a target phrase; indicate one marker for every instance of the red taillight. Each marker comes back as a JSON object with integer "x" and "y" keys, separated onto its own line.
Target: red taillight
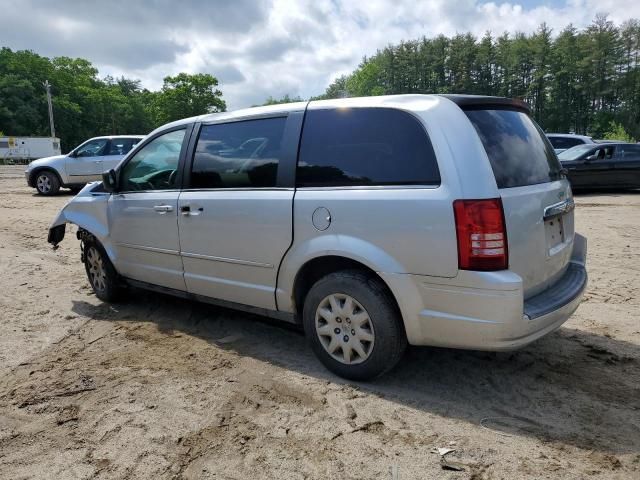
{"x": 482, "y": 236}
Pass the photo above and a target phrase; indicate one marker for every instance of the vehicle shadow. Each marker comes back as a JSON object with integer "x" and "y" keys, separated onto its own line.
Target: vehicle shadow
{"x": 572, "y": 386}
{"x": 61, "y": 193}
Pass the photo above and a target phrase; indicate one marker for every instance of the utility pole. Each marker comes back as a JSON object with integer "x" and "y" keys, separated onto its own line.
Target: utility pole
{"x": 47, "y": 86}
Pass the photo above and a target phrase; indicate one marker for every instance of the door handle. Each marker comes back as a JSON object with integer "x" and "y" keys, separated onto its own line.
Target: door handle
{"x": 163, "y": 208}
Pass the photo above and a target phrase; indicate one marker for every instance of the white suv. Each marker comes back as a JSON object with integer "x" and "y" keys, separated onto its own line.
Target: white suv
{"x": 82, "y": 165}
{"x": 373, "y": 222}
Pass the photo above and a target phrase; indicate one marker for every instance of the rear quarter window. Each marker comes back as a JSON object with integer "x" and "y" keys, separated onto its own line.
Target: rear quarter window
{"x": 364, "y": 146}
{"x": 517, "y": 148}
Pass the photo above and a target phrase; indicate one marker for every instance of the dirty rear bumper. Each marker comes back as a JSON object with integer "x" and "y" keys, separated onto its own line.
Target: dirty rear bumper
{"x": 487, "y": 310}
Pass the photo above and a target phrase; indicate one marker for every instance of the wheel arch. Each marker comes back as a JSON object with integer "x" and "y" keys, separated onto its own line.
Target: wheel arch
{"x": 322, "y": 265}
{"x": 37, "y": 170}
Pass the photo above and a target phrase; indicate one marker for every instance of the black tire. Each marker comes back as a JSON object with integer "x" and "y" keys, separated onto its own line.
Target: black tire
{"x": 389, "y": 340}
{"x": 76, "y": 190}
{"x": 102, "y": 275}
{"x": 47, "y": 183}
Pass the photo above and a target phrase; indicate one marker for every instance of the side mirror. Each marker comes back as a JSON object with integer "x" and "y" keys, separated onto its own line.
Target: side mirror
{"x": 110, "y": 181}
{"x": 591, "y": 158}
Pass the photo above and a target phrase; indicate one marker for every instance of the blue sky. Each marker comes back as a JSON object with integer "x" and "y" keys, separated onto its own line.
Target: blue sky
{"x": 259, "y": 48}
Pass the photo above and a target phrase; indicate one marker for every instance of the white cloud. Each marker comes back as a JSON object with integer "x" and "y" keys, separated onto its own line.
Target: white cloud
{"x": 294, "y": 47}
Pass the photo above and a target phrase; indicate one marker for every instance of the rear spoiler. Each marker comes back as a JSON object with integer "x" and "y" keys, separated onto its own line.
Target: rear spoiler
{"x": 481, "y": 102}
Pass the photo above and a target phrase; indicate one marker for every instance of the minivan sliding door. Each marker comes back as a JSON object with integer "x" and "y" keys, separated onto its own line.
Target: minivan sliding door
{"x": 235, "y": 212}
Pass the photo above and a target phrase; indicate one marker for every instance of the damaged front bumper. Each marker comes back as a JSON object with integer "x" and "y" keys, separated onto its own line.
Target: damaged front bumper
{"x": 87, "y": 210}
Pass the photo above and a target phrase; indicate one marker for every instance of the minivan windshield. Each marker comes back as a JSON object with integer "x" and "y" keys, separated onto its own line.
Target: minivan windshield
{"x": 518, "y": 150}
{"x": 574, "y": 153}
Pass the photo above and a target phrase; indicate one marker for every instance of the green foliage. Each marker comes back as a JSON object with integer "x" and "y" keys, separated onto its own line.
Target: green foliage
{"x": 574, "y": 80}
{"x": 188, "y": 95}
{"x": 85, "y": 105}
{"x": 617, "y": 132}
{"x": 285, "y": 99}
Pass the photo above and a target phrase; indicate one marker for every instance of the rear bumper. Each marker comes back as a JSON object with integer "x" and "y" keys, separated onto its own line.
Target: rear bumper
{"x": 486, "y": 310}
{"x": 27, "y": 176}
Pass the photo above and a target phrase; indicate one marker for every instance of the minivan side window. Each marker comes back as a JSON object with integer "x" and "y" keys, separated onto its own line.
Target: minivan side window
{"x": 154, "y": 166}
{"x": 364, "y": 146}
{"x": 243, "y": 154}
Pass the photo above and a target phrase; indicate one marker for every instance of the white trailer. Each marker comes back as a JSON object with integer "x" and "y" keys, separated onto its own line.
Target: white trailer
{"x": 24, "y": 149}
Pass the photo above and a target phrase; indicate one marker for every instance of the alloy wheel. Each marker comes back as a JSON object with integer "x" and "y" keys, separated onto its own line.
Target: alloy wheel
{"x": 97, "y": 272}
{"x": 43, "y": 183}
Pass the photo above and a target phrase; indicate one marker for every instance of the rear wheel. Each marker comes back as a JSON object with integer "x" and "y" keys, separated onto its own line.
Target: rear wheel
{"x": 353, "y": 325}
{"x": 102, "y": 276}
{"x": 47, "y": 183}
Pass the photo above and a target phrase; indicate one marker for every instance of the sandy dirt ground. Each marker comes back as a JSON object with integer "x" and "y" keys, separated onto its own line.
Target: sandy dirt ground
{"x": 159, "y": 388}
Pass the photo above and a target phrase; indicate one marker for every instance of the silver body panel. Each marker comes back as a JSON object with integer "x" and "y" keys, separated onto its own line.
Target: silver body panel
{"x": 232, "y": 242}
{"x": 246, "y": 246}
{"x": 144, "y": 232}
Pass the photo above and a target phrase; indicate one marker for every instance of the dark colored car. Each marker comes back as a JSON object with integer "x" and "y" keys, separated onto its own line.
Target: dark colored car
{"x": 604, "y": 165}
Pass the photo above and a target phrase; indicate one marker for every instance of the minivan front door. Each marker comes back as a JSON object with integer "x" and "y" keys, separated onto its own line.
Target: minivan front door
{"x": 143, "y": 213}
{"x": 235, "y": 216}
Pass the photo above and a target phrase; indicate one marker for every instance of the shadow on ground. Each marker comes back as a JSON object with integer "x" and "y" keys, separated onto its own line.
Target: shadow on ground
{"x": 572, "y": 386}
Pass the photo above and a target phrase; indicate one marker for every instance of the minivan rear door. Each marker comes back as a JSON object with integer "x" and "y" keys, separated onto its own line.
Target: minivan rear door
{"x": 537, "y": 199}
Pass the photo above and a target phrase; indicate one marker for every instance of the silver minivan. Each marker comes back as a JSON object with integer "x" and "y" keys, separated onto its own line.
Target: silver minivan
{"x": 374, "y": 223}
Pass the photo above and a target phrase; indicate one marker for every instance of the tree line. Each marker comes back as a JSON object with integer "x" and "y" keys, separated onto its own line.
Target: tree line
{"x": 85, "y": 105}
{"x": 583, "y": 81}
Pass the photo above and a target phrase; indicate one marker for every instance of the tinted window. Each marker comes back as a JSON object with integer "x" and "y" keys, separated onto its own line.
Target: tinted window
{"x": 630, "y": 151}
{"x": 516, "y": 147}
{"x": 365, "y": 146}
{"x": 239, "y": 154}
{"x": 574, "y": 153}
{"x": 565, "y": 142}
{"x": 154, "y": 166}
{"x": 93, "y": 148}
{"x": 121, "y": 146}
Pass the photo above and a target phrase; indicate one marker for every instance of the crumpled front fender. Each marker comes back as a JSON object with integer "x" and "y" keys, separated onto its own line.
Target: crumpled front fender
{"x": 88, "y": 210}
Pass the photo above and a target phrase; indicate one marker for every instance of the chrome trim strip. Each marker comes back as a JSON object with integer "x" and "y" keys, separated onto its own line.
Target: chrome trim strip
{"x": 149, "y": 249}
{"x": 226, "y": 260}
{"x": 559, "y": 208}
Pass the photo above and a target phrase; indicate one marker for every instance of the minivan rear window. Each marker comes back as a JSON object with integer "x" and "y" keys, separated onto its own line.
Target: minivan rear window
{"x": 517, "y": 149}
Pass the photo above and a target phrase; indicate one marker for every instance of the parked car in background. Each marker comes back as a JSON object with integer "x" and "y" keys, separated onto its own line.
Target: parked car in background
{"x": 603, "y": 165}
{"x": 82, "y": 165}
{"x": 420, "y": 219}
{"x": 564, "y": 141}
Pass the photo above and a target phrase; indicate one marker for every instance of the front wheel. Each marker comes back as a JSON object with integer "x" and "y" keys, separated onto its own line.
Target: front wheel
{"x": 353, "y": 325}
{"x": 47, "y": 183}
{"x": 102, "y": 276}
